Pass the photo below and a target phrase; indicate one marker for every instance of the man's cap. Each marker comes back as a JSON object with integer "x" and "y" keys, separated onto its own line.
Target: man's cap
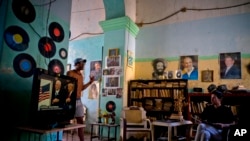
{"x": 218, "y": 93}
{"x": 211, "y": 88}
{"x": 78, "y": 60}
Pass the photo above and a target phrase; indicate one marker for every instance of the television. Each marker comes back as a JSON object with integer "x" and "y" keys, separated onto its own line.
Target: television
{"x": 48, "y": 109}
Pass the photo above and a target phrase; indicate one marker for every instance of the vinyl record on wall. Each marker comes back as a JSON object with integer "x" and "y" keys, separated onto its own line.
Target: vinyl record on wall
{"x": 110, "y": 106}
{"x": 56, "y": 66}
{"x": 47, "y": 47}
{"x": 16, "y": 38}
{"x": 63, "y": 53}
{"x": 24, "y": 10}
{"x": 24, "y": 65}
{"x": 56, "y": 32}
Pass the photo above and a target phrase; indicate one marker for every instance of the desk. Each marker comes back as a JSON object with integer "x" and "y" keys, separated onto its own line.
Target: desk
{"x": 41, "y": 132}
{"x": 100, "y": 130}
{"x": 170, "y": 124}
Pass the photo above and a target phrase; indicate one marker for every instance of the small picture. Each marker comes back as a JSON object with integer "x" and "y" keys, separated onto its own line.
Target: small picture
{"x": 96, "y": 69}
{"x": 68, "y": 67}
{"x": 207, "y": 76}
{"x": 119, "y": 92}
{"x": 113, "y": 61}
{"x": 230, "y": 65}
{"x": 112, "y": 82}
{"x": 130, "y": 60}
{"x": 189, "y": 67}
{"x": 113, "y": 52}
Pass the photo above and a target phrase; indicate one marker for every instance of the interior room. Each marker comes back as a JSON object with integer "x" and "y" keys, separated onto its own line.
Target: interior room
{"x": 155, "y": 65}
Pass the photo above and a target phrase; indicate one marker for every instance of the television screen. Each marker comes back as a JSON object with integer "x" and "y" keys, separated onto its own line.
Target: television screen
{"x": 53, "y": 99}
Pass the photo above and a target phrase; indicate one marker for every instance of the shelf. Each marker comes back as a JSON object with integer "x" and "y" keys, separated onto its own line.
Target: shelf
{"x": 157, "y": 97}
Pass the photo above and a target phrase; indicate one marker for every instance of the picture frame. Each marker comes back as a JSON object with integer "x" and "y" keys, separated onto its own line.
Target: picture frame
{"x": 207, "y": 76}
{"x": 112, "y": 82}
{"x": 113, "y": 61}
{"x": 130, "y": 58}
{"x": 113, "y": 52}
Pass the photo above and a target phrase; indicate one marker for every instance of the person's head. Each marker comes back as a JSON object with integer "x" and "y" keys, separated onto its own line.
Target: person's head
{"x": 58, "y": 84}
{"x": 216, "y": 97}
{"x": 229, "y": 61}
{"x": 97, "y": 65}
{"x": 159, "y": 65}
{"x": 79, "y": 63}
{"x": 70, "y": 87}
{"x": 187, "y": 63}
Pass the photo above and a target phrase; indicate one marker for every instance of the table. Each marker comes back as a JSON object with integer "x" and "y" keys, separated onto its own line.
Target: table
{"x": 41, "y": 132}
{"x": 100, "y": 131}
{"x": 170, "y": 124}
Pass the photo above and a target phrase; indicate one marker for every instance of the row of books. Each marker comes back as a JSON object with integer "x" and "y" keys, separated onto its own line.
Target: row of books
{"x": 161, "y": 93}
{"x": 157, "y": 85}
{"x": 198, "y": 107}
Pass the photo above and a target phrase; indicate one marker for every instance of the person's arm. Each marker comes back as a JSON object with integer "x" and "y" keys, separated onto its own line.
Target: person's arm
{"x": 91, "y": 79}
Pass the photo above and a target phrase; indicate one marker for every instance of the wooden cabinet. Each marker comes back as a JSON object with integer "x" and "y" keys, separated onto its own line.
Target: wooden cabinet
{"x": 158, "y": 97}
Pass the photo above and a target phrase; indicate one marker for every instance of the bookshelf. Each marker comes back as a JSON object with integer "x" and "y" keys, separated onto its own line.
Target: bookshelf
{"x": 157, "y": 97}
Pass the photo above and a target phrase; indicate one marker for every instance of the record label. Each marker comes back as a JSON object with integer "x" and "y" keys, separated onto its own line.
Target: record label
{"x": 24, "y": 10}
{"x": 56, "y": 32}
{"x": 56, "y": 66}
{"x": 16, "y": 38}
{"x": 24, "y": 65}
{"x": 63, "y": 53}
{"x": 47, "y": 47}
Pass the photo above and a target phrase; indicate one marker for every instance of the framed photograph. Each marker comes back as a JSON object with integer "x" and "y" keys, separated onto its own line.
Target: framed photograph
{"x": 112, "y": 82}
{"x": 207, "y": 76}
{"x": 114, "y": 52}
{"x": 113, "y": 61}
{"x": 230, "y": 65}
{"x": 96, "y": 69}
{"x": 189, "y": 67}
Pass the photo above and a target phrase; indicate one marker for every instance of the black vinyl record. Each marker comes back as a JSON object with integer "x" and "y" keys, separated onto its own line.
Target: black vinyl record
{"x": 63, "y": 53}
{"x": 56, "y": 32}
{"x": 24, "y": 10}
{"x": 16, "y": 38}
{"x": 24, "y": 65}
{"x": 110, "y": 106}
{"x": 47, "y": 47}
{"x": 56, "y": 66}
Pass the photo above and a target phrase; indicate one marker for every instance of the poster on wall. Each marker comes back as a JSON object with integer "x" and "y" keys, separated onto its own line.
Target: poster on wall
{"x": 96, "y": 69}
{"x": 189, "y": 67}
{"x": 230, "y": 65}
{"x": 130, "y": 58}
{"x": 94, "y": 90}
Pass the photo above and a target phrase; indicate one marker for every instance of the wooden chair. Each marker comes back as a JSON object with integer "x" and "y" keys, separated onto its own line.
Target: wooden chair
{"x": 133, "y": 120}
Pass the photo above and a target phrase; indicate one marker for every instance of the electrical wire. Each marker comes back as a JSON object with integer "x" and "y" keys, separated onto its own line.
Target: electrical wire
{"x": 84, "y": 34}
{"x": 184, "y": 9}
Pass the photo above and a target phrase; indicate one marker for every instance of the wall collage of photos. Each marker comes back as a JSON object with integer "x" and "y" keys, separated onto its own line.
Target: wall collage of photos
{"x": 111, "y": 74}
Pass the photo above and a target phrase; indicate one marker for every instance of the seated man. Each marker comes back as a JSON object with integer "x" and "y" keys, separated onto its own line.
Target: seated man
{"x": 214, "y": 119}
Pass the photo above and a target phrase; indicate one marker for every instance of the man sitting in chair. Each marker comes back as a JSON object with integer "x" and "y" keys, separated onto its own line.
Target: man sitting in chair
{"x": 215, "y": 118}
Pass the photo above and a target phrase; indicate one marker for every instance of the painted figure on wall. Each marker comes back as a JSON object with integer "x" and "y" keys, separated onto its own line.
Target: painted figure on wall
{"x": 159, "y": 66}
{"x": 230, "y": 66}
{"x": 189, "y": 67}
